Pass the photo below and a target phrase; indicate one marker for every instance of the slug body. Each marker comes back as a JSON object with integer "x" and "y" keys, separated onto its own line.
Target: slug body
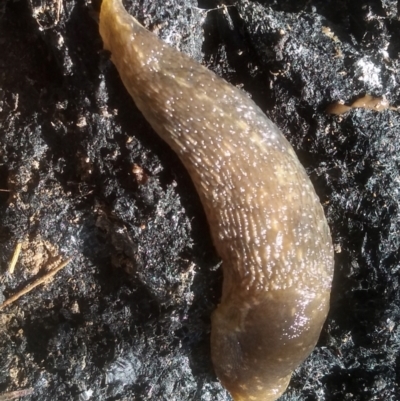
{"x": 265, "y": 218}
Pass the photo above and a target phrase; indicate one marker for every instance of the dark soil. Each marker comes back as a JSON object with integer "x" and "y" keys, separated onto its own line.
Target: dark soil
{"x": 82, "y": 175}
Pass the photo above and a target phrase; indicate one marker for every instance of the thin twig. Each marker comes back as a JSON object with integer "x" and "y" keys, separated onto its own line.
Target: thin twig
{"x": 33, "y": 285}
{"x": 14, "y": 258}
{"x": 59, "y": 5}
{"x": 13, "y": 395}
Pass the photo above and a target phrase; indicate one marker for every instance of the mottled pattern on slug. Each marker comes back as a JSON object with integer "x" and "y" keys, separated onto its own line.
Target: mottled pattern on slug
{"x": 265, "y": 219}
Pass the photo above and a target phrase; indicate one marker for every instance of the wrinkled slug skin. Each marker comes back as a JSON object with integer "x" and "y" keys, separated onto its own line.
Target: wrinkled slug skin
{"x": 265, "y": 218}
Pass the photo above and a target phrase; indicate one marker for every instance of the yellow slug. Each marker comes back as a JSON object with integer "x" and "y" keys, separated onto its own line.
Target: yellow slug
{"x": 265, "y": 218}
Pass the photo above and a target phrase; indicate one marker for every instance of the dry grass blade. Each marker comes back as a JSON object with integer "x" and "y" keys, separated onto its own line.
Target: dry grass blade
{"x": 33, "y": 285}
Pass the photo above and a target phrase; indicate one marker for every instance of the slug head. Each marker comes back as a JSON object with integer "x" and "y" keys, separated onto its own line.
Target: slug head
{"x": 257, "y": 340}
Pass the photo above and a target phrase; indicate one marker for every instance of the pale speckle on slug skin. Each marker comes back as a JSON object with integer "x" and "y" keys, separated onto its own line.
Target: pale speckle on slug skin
{"x": 265, "y": 219}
